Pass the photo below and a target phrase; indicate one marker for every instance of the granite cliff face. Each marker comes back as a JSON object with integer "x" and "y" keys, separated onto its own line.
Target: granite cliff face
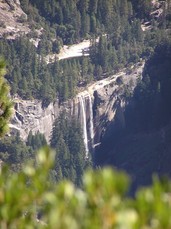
{"x": 95, "y": 107}
{"x": 29, "y": 115}
{"x": 110, "y": 100}
{"x": 13, "y": 20}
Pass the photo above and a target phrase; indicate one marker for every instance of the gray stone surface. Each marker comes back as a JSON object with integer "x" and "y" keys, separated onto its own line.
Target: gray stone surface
{"x": 108, "y": 97}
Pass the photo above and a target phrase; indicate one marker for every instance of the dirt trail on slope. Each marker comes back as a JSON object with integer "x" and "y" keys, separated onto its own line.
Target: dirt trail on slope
{"x": 74, "y": 50}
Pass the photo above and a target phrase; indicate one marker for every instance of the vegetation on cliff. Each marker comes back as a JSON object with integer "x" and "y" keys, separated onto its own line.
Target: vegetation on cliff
{"x": 67, "y": 141}
{"x": 5, "y": 102}
{"x": 141, "y": 145}
{"x": 29, "y": 198}
{"x": 121, "y": 43}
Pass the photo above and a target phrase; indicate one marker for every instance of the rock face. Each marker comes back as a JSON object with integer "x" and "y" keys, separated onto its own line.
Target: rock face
{"x": 13, "y": 20}
{"x": 30, "y": 116}
{"x": 95, "y": 108}
{"x": 110, "y": 101}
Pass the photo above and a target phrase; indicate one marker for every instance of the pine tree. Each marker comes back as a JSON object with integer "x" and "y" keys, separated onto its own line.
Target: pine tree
{"x": 5, "y": 102}
{"x": 93, "y": 25}
{"x": 70, "y": 152}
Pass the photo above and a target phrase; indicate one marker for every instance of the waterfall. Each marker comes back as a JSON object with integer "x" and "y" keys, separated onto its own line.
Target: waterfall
{"x": 84, "y": 123}
{"x": 82, "y": 99}
{"x": 91, "y": 119}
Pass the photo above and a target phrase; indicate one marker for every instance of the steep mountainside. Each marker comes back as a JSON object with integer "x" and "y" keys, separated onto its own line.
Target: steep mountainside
{"x": 141, "y": 143}
{"x": 107, "y": 95}
{"x": 114, "y": 44}
{"x": 124, "y": 116}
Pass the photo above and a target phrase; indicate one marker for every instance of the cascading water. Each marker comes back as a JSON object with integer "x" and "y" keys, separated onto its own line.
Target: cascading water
{"x": 82, "y": 99}
{"x": 91, "y": 119}
{"x": 84, "y": 123}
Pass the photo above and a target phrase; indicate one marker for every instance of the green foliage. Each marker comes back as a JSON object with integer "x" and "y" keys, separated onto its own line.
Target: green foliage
{"x": 14, "y": 152}
{"x": 31, "y": 77}
{"x": 27, "y": 192}
{"x": 102, "y": 203}
{"x": 36, "y": 141}
{"x": 121, "y": 43}
{"x": 5, "y": 102}
{"x": 67, "y": 141}
{"x": 142, "y": 8}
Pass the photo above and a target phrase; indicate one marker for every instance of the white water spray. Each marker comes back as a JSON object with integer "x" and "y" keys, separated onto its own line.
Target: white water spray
{"x": 91, "y": 119}
{"x": 84, "y": 123}
{"x": 82, "y": 100}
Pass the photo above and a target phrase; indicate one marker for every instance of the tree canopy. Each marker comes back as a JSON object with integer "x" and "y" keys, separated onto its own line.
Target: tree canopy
{"x": 29, "y": 200}
{"x": 67, "y": 141}
{"x": 5, "y": 102}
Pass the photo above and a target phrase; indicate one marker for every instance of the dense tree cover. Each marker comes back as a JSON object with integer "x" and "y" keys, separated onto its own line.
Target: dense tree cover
{"x": 5, "y": 102}
{"x": 27, "y": 72}
{"x": 119, "y": 49}
{"x": 28, "y": 200}
{"x": 30, "y": 77}
{"x": 102, "y": 203}
{"x": 66, "y": 139}
{"x": 36, "y": 141}
{"x": 121, "y": 43}
{"x": 15, "y": 152}
{"x": 77, "y": 19}
{"x": 142, "y": 8}
{"x": 68, "y": 143}
{"x": 126, "y": 43}
{"x": 73, "y": 20}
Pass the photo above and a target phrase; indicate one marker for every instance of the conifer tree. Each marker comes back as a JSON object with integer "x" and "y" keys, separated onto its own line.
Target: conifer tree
{"x": 5, "y": 102}
{"x": 68, "y": 143}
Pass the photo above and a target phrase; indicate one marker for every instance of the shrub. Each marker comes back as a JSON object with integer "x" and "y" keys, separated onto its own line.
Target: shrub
{"x": 102, "y": 203}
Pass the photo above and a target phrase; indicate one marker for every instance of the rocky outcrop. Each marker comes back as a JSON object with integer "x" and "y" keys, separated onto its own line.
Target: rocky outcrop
{"x": 29, "y": 115}
{"x": 13, "y": 20}
{"x": 110, "y": 101}
{"x": 106, "y": 98}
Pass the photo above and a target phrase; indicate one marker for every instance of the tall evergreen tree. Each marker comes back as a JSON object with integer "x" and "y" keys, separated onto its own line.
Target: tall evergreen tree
{"x": 67, "y": 140}
{"x": 5, "y": 102}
